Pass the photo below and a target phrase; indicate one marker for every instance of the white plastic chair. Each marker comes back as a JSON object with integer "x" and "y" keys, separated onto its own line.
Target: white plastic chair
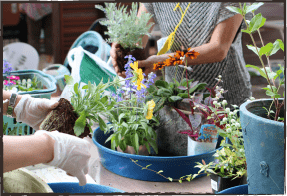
{"x": 22, "y": 56}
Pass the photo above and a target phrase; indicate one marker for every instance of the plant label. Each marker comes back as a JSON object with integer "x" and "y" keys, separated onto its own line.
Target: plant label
{"x": 208, "y": 133}
{"x": 214, "y": 185}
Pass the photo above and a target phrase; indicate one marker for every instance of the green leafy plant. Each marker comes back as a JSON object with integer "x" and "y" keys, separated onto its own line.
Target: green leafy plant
{"x": 125, "y": 28}
{"x": 91, "y": 104}
{"x": 266, "y": 50}
{"x": 132, "y": 121}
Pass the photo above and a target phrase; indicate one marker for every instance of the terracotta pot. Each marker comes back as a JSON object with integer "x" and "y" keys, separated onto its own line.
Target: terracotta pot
{"x": 130, "y": 150}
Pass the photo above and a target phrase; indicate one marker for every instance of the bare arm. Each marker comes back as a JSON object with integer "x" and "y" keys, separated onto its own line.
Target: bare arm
{"x": 21, "y": 151}
{"x": 214, "y": 51}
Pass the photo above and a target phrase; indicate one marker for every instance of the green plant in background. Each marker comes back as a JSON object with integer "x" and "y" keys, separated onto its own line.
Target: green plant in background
{"x": 266, "y": 50}
{"x": 125, "y": 28}
{"x": 28, "y": 85}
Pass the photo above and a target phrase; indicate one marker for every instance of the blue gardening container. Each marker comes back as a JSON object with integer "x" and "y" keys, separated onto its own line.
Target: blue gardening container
{"x": 121, "y": 163}
{"x": 47, "y": 82}
{"x": 264, "y": 143}
{"x": 236, "y": 190}
{"x": 74, "y": 188}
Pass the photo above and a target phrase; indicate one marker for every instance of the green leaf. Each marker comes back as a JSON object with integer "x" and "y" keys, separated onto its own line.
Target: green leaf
{"x": 281, "y": 44}
{"x": 76, "y": 88}
{"x": 69, "y": 79}
{"x": 256, "y": 22}
{"x": 199, "y": 86}
{"x": 121, "y": 116}
{"x": 170, "y": 179}
{"x": 271, "y": 75}
{"x": 253, "y": 7}
{"x": 136, "y": 142}
{"x": 80, "y": 124}
{"x": 183, "y": 95}
{"x": 234, "y": 9}
{"x": 174, "y": 98}
{"x": 258, "y": 69}
{"x": 102, "y": 124}
{"x": 151, "y": 89}
{"x": 245, "y": 31}
{"x": 253, "y": 48}
{"x": 153, "y": 145}
{"x": 160, "y": 83}
{"x": 163, "y": 92}
{"x": 276, "y": 47}
{"x": 266, "y": 50}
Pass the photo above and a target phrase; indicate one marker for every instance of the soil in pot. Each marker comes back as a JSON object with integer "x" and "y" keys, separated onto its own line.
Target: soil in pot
{"x": 137, "y": 53}
{"x": 63, "y": 119}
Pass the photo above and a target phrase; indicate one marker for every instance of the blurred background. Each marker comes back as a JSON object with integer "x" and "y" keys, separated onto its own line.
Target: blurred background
{"x": 67, "y": 21}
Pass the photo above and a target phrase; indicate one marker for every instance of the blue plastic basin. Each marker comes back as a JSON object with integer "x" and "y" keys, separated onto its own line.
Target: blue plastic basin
{"x": 121, "y": 163}
{"x": 238, "y": 190}
{"x": 74, "y": 187}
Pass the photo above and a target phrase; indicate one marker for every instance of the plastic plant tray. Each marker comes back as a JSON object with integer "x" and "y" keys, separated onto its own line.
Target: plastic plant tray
{"x": 121, "y": 163}
{"x": 47, "y": 81}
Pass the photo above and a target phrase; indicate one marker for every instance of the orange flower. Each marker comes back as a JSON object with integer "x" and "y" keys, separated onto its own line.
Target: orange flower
{"x": 191, "y": 54}
{"x": 176, "y": 59}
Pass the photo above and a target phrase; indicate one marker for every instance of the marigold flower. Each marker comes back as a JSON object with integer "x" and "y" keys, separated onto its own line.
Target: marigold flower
{"x": 151, "y": 105}
{"x": 191, "y": 54}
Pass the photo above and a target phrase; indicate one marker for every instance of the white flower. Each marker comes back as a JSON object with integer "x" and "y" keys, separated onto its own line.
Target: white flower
{"x": 228, "y": 130}
{"x": 222, "y": 90}
{"x": 224, "y": 102}
{"x": 224, "y": 119}
{"x": 217, "y": 87}
{"x": 241, "y": 150}
{"x": 227, "y": 110}
{"x": 214, "y": 102}
{"x": 218, "y": 105}
{"x": 191, "y": 97}
{"x": 219, "y": 76}
{"x": 237, "y": 125}
{"x": 233, "y": 121}
{"x": 227, "y": 125}
{"x": 231, "y": 113}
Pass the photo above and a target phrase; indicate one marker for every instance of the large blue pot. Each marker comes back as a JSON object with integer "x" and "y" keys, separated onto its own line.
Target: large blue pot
{"x": 74, "y": 187}
{"x": 236, "y": 190}
{"x": 264, "y": 148}
{"x": 121, "y": 163}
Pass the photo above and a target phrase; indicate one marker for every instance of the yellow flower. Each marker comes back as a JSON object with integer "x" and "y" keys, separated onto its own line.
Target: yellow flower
{"x": 138, "y": 73}
{"x": 151, "y": 105}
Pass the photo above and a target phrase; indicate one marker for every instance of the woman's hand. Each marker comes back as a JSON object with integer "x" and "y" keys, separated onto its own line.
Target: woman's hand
{"x": 115, "y": 47}
{"x": 33, "y": 111}
{"x": 71, "y": 154}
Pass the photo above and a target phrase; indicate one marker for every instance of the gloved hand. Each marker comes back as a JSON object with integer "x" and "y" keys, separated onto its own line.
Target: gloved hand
{"x": 33, "y": 111}
{"x": 71, "y": 154}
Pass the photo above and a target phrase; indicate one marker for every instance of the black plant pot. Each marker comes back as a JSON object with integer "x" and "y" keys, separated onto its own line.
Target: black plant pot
{"x": 219, "y": 183}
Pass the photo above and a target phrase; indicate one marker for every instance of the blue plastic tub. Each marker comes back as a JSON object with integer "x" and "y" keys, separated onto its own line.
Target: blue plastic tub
{"x": 236, "y": 190}
{"x": 74, "y": 188}
{"x": 121, "y": 163}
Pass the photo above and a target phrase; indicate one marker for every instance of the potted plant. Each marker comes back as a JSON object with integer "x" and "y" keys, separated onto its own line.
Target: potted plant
{"x": 77, "y": 117}
{"x": 126, "y": 29}
{"x": 229, "y": 166}
{"x": 262, "y": 120}
{"x": 132, "y": 122}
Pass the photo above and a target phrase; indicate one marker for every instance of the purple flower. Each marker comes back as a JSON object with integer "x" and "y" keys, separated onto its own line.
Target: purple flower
{"x": 7, "y": 68}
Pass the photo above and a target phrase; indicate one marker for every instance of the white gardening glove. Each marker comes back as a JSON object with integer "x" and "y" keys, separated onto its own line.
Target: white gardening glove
{"x": 33, "y": 111}
{"x": 71, "y": 154}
